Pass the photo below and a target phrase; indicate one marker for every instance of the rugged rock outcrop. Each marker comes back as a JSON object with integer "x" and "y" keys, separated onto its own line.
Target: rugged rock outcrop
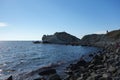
{"x": 101, "y": 40}
{"x": 60, "y": 38}
{"x": 104, "y": 66}
{"x": 92, "y": 39}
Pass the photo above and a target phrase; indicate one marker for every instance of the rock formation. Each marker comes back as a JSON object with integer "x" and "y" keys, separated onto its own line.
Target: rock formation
{"x": 90, "y": 40}
{"x": 100, "y": 40}
{"x": 60, "y": 38}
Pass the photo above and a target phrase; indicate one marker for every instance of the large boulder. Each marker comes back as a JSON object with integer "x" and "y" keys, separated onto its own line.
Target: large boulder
{"x": 47, "y": 72}
{"x": 60, "y": 38}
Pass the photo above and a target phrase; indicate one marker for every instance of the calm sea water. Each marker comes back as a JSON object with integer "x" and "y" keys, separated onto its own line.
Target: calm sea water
{"x": 21, "y": 57}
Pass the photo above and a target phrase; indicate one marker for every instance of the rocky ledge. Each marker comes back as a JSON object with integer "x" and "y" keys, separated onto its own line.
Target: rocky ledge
{"x": 60, "y": 38}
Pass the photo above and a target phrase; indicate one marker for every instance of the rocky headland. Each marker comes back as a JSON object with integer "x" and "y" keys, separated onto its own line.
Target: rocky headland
{"x": 60, "y": 38}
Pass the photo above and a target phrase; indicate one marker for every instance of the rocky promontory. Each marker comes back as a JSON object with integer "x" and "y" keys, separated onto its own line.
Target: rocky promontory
{"x": 60, "y": 38}
{"x": 101, "y": 40}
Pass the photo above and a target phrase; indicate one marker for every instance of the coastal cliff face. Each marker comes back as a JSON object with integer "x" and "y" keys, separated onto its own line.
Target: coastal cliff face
{"x": 60, "y": 38}
{"x": 101, "y": 40}
{"x": 90, "y": 40}
{"x": 97, "y": 40}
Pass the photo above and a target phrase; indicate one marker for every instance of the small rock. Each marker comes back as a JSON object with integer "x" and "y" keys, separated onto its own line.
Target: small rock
{"x": 111, "y": 69}
{"x": 109, "y": 78}
{"x": 69, "y": 72}
{"x": 105, "y": 75}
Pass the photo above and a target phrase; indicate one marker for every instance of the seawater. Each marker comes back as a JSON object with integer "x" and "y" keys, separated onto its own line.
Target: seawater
{"x": 21, "y": 57}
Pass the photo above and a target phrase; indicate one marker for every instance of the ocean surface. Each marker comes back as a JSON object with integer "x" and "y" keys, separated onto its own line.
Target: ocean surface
{"x": 20, "y": 58}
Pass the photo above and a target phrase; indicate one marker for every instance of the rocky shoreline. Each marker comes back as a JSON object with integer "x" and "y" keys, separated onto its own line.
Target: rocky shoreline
{"x": 105, "y": 64}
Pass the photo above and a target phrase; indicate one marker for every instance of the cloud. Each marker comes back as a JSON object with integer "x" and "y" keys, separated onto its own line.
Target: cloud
{"x": 2, "y": 24}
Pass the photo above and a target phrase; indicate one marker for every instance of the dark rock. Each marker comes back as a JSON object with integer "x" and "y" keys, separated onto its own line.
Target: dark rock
{"x": 69, "y": 72}
{"x": 41, "y": 78}
{"x": 90, "y": 55}
{"x": 82, "y": 62}
{"x": 38, "y": 79}
{"x": 54, "y": 77}
{"x": 36, "y": 42}
{"x": 118, "y": 64}
{"x": 67, "y": 78}
{"x": 97, "y": 60}
{"x": 112, "y": 69}
{"x": 98, "y": 67}
{"x": 47, "y": 72}
{"x": 91, "y": 66}
{"x": 10, "y": 78}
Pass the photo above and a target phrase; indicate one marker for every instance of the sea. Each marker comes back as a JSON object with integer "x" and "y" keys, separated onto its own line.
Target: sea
{"x": 22, "y": 59}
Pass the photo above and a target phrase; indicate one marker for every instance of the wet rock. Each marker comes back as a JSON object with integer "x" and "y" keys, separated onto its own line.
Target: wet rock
{"x": 82, "y": 62}
{"x": 90, "y": 55}
{"x": 54, "y": 77}
{"x": 10, "y": 78}
{"x": 69, "y": 72}
{"x": 97, "y": 61}
{"x": 38, "y": 79}
{"x": 47, "y": 72}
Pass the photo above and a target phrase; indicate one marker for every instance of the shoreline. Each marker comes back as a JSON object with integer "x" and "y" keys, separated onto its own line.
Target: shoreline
{"x": 103, "y": 66}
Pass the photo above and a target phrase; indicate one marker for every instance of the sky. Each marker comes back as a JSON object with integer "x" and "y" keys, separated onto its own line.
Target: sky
{"x": 30, "y": 19}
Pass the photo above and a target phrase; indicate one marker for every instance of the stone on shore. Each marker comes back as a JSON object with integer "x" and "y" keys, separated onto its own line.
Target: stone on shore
{"x": 47, "y": 72}
{"x": 10, "y": 78}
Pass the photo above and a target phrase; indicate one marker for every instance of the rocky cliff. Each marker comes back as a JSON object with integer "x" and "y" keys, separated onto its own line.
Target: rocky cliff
{"x": 60, "y": 38}
{"x": 100, "y": 40}
{"x": 91, "y": 39}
